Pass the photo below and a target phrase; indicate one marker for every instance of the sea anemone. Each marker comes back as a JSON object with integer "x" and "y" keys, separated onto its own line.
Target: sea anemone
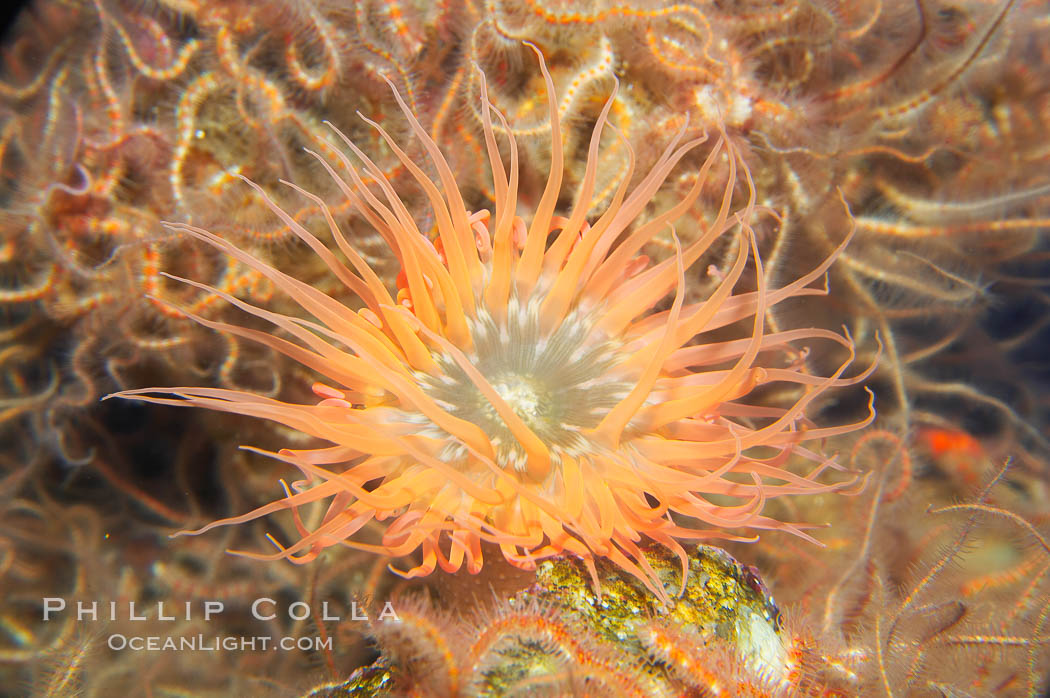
{"x": 521, "y": 387}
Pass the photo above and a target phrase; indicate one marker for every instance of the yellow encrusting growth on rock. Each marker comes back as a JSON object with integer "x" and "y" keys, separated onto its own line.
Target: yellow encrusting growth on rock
{"x": 520, "y": 388}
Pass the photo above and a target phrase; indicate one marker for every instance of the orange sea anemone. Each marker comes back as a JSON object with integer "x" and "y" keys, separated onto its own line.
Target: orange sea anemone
{"x": 519, "y": 388}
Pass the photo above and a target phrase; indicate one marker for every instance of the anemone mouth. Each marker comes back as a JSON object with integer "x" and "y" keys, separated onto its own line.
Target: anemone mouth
{"x": 560, "y": 382}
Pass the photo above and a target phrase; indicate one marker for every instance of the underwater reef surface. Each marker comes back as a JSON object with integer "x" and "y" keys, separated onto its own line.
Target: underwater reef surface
{"x": 916, "y": 130}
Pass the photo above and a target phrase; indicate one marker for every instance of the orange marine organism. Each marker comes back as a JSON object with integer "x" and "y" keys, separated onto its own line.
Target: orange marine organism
{"x": 521, "y": 386}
